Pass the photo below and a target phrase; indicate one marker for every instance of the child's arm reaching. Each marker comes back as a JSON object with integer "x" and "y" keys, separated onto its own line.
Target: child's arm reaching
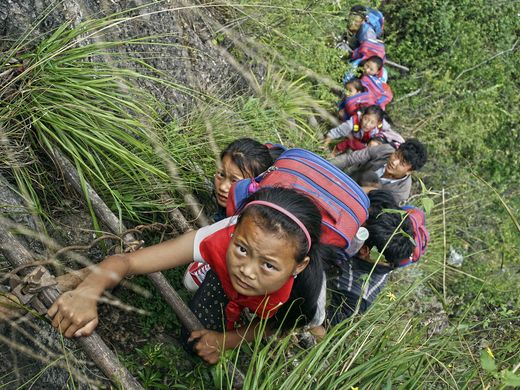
{"x": 75, "y": 312}
{"x": 343, "y": 130}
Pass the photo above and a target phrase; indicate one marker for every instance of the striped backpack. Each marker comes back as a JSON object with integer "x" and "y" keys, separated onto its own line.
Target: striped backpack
{"x": 343, "y": 204}
{"x": 381, "y": 90}
{"x": 354, "y": 103}
{"x": 421, "y": 235}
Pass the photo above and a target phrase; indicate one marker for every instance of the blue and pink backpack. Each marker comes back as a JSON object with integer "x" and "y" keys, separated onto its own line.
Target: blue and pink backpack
{"x": 374, "y": 20}
{"x": 343, "y": 204}
{"x": 421, "y": 235}
{"x": 367, "y": 49}
{"x": 381, "y": 90}
{"x": 354, "y": 103}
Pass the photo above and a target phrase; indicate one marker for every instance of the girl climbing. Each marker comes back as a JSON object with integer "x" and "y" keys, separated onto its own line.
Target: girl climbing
{"x": 267, "y": 259}
{"x": 371, "y": 122}
{"x": 242, "y": 159}
{"x": 356, "y": 98}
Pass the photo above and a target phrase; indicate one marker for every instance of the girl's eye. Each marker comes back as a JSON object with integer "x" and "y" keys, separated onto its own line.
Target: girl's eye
{"x": 220, "y": 175}
{"x": 269, "y": 267}
{"x": 241, "y": 250}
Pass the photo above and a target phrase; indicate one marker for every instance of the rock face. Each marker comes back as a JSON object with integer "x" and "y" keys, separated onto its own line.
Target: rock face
{"x": 190, "y": 59}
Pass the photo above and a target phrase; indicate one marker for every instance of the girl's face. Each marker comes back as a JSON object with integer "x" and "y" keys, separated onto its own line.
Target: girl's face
{"x": 260, "y": 262}
{"x": 369, "y": 122}
{"x": 355, "y": 22}
{"x": 350, "y": 90}
{"x": 370, "y": 68}
{"x": 227, "y": 174}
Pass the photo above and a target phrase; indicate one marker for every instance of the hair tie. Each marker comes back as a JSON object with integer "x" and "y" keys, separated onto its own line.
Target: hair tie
{"x": 290, "y": 215}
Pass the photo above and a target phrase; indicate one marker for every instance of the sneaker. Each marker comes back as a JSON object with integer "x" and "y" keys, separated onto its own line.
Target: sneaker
{"x": 195, "y": 275}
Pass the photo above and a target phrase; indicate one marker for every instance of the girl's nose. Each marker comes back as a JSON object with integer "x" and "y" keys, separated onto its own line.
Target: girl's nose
{"x": 248, "y": 271}
{"x": 225, "y": 185}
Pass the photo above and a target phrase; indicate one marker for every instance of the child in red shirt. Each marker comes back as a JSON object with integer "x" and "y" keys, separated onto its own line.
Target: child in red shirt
{"x": 268, "y": 259}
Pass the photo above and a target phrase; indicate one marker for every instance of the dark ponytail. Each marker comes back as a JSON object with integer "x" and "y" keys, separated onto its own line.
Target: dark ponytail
{"x": 302, "y": 304}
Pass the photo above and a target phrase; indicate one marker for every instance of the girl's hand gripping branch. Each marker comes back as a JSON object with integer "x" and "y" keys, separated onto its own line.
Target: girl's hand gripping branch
{"x": 75, "y": 312}
{"x": 209, "y": 344}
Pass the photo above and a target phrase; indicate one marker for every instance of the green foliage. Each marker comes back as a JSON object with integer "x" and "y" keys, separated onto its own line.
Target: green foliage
{"x": 464, "y": 72}
{"x": 163, "y": 366}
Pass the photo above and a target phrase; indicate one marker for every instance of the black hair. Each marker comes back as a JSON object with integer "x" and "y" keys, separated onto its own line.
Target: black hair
{"x": 414, "y": 153}
{"x": 375, "y": 109}
{"x": 360, "y": 10}
{"x": 376, "y": 60}
{"x": 357, "y": 84}
{"x": 379, "y": 200}
{"x": 302, "y": 303}
{"x": 381, "y": 226}
{"x": 249, "y": 155}
{"x": 275, "y": 150}
{"x": 365, "y": 177}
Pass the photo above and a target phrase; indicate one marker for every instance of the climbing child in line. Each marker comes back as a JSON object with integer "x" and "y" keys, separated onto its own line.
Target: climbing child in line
{"x": 374, "y": 81}
{"x": 363, "y": 276}
{"x": 373, "y": 66}
{"x": 356, "y": 98}
{"x": 364, "y": 23}
{"x": 367, "y": 180}
{"x": 267, "y": 259}
{"x": 371, "y": 122}
{"x": 241, "y": 159}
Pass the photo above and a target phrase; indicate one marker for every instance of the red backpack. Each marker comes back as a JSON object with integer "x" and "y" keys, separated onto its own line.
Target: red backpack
{"x": 379, "y": 89}
{"x": 358, "y": 101}
{"x": 421, "y": 235}
{"x": 343, "y": 204}
{"x": 369, "y": 48}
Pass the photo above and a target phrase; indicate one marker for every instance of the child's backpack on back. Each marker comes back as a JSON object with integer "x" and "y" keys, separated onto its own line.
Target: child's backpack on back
{"x": 379, "y": 89}
{"x": 373, "y": 19}
{"x": 421, "y": 235}
{"x": 369, "y": 48}
{"x": 354, "y": 103}
{"x": 376, "y": 20}
{"x": 343, "y": 204}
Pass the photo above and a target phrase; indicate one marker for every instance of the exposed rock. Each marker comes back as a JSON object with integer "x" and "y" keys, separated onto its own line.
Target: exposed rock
{"x": 192, "y": 60}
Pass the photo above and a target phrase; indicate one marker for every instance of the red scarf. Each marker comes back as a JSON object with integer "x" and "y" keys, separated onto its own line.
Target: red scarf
{"x": 213, "y": 249}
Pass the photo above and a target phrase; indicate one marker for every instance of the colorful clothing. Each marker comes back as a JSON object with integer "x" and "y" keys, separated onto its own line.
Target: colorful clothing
{"x": 381, "y": 90}
{"x": 352, "y": 104}
{"x": 210, "y": 246}
{"x": 357, "y": 138}
{"x": 352, "y": 286}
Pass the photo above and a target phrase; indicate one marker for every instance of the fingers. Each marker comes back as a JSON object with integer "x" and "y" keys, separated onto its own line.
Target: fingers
{"x": 53, "y": 309}
{"x": 87, "y": 329}
{"x": 72, "y": 318}
{"x": 196, "y": 334}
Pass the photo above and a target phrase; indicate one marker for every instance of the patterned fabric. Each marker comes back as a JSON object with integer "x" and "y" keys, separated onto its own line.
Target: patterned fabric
{"x": 347, "y": 288}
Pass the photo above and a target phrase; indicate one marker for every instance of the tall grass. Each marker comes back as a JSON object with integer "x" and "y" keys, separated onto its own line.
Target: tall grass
{"x": 66, "y": 92}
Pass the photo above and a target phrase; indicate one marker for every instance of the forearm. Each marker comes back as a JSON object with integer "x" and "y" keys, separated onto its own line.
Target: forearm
{"x": 342, "y": 130}
{"x": 105, "y": 275}
{"x": 110, "y": 271}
